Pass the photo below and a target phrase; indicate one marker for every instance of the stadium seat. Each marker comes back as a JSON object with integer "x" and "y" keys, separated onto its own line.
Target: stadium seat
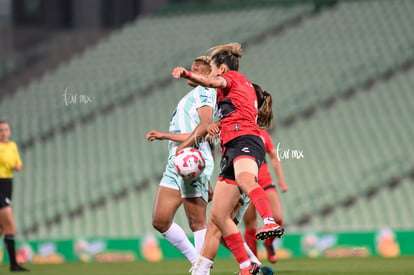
{"x": 355, "y": 145}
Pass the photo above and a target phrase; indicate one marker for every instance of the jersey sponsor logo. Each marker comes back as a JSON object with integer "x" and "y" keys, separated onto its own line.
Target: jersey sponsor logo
{"x": 245, "y": 149}
{"x": 8, "y": 201}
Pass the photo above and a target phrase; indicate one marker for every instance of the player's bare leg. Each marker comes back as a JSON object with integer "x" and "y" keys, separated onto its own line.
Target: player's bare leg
{"x": 7, "y": 226}
{"x": 166, "y": 203}
{"x": 195, "y": 210}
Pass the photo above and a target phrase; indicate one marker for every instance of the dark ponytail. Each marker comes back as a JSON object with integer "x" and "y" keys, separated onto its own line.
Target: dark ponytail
{"x": 265, "y": 118}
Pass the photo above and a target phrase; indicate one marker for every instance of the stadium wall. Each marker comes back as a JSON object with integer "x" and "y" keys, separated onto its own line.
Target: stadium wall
{"x": 383, "y": 243}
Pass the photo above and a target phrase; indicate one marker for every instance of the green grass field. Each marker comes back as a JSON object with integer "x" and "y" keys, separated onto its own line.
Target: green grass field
{"x": 402, "y": 265}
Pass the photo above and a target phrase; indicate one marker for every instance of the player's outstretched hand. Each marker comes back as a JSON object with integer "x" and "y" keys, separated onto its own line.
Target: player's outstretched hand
{"x": 153, "y": 135}
{"x": 213, "y": 128}
{"x": 283, "y": 186}
{"x": 179, "y": 72}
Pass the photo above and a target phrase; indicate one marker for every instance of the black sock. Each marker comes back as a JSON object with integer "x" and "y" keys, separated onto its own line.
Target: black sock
{"x": 9, "y": 242}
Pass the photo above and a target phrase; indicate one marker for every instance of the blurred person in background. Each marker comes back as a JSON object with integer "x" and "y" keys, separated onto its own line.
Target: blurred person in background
{"x": 10, "y": 162}
{"x": 266, "y": 182}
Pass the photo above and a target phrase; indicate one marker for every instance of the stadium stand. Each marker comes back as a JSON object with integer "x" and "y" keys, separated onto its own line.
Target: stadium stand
{"x": 361, "y": 144}
{"x": 144, "y": 50}
{"x": 28, "y": 53}
{"x": 332, "y": 52}
{"x": 389, "y": 209}
{"x": 101, "y": 158}
{"x": 99, "y": 172}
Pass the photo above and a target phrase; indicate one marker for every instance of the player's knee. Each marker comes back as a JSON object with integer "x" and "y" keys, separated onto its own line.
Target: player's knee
{"x": 7, "y": 229}
{"x": 196, "y": 225}
{"x": 160, "y": 225}
{"x": 247, "y": 181}
{"x": 218, "y": 220}
{"x": 9, "y": 232}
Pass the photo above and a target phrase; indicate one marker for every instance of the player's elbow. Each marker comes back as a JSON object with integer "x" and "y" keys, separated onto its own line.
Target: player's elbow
{"x": 208, "y": 83}
{"x": 212, "y": 83}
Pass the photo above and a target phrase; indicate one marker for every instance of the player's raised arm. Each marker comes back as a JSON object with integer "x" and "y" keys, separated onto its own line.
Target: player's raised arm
{"x": 277, "y": 166}
{"x": 203, "y": 80}
{"x": 157, "y": 135}
{"x": 205, "y": 113}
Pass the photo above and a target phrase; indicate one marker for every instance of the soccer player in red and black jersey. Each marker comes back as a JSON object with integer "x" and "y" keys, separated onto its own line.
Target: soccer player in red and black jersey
{"x": 244, "y": 149}
{"x": 266, "y": 182}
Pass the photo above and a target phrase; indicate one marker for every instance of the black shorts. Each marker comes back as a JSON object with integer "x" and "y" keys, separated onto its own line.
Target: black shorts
{"x": 5, "y": 192}
{"x": 243, "y": 146}
{"x": 269, "y": 187}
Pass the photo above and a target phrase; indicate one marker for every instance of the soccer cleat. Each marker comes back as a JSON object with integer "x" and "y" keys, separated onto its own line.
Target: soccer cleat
{"x": 265, "y": 270}
{"x": 271, "y": 254}
{"x": 252, "y": 269}
{"x": 200, "y": 267}
{"x": 269, "y": 230}
{"x": 199, "y": 271}
{"x": 18, "y": 268}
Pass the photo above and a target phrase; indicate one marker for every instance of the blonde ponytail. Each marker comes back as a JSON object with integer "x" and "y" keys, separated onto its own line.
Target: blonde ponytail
{"x": 234, "y": 48}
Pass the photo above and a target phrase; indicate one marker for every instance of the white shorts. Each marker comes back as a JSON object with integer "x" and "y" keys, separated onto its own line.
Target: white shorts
{"x": 245, "y": 202}
{"x": 194, "y": 188}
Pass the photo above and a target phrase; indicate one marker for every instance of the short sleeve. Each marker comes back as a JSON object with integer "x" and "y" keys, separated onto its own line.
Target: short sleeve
{"x": 229, "y": 77}
{"x": 206, "y": 97}
{"x": 18, "y": 159}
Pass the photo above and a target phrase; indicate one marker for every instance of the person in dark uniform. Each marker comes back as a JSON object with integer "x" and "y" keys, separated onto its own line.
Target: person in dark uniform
{"x": 10, "y": 162}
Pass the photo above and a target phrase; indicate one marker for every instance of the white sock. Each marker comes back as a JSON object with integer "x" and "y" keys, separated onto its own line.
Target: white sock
{"x": 252, "y": 257}
{"x": 199, "y": 237}
{"x": 202, "y": 266}
{"x": 245, "y": 264}
{"x": 176, "y": 236}
{"x": 268, "y": 220}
